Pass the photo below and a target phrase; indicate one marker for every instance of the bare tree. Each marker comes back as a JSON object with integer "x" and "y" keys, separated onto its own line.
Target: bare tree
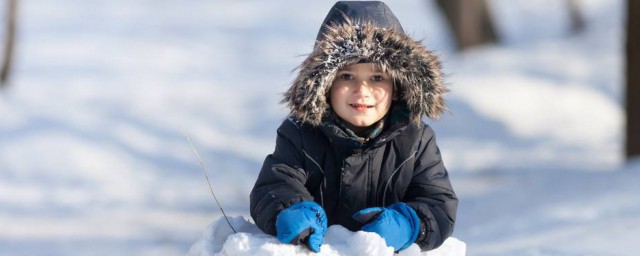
{"x": 577, "y": 20}
{"x": 470, "y": 22}
{"x": 633, "y": 79}
{"x": 9, "y": 42}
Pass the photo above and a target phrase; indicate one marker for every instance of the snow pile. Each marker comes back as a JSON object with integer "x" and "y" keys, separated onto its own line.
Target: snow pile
{"x": 218, "y": 239}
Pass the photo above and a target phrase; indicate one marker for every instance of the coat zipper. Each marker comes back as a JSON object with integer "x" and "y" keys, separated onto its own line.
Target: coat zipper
{"x": 386, "y": 187}
{"x": 340, "y": 187}
{"x": 324, "y": 177}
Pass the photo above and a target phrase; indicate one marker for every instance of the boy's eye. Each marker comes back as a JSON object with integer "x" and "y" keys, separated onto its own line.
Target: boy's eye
{"x": 377, "y": 78}
{"x": 346, "y": 76}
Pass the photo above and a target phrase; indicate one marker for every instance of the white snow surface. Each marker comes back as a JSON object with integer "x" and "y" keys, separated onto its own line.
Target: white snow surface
{"x": 93, "y": 158}
{"x": 219, "y": 239}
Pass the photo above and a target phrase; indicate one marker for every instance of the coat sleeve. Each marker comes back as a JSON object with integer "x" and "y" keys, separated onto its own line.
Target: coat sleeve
{"x": 430, "y": 193}
{"x": 282, "y": 179}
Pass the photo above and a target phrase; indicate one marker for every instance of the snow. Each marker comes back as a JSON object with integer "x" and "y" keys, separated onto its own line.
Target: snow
{"x": 219, "y": 239}
{"x": 93, "y": 159}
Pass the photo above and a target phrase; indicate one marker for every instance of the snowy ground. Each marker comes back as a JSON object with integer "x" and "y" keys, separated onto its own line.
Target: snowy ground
{"x": 93, "y": 159}
{"x": 219, "y": 239}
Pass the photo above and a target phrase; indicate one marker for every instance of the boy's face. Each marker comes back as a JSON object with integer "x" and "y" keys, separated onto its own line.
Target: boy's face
{"x": 361, "y": 94}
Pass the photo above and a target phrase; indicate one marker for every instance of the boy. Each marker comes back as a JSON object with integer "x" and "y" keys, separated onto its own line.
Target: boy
{"x": 354, "y": 150}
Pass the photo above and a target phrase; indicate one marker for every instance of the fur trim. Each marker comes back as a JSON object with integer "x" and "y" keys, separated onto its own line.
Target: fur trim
{"x": 416, "y": 71}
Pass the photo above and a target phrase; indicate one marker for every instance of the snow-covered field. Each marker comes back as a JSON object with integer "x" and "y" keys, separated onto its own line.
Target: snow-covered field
{"x": 93, "y": 159}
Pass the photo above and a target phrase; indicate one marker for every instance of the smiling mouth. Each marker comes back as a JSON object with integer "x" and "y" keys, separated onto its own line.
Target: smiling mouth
{"x": 361, "y": 107}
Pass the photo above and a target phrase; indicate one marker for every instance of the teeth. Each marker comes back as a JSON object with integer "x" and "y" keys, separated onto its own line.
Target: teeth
{"x": 360, "y": 106}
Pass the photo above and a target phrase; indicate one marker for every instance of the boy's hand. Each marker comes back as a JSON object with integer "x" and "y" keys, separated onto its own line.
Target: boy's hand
{"x": 398, "y": 224}
{"x": 304, "y": 222}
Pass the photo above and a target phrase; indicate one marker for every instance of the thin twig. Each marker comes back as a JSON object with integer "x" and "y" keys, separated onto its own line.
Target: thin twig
{"x": 204, "y": 171}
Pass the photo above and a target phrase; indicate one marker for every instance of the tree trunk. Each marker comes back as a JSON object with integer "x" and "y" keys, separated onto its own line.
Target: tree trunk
{"x": 577, "y": 20}
{"x": 633, "y": 79}
{"x": 9, "y": 42}
{"x": 470, "y": 22}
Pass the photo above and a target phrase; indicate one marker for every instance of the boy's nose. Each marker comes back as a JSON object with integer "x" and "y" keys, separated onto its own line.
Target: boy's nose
{"x": 362, "y": 87}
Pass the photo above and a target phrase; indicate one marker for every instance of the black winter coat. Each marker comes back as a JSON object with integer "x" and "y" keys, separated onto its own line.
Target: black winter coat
{"x": 323, "y": 164}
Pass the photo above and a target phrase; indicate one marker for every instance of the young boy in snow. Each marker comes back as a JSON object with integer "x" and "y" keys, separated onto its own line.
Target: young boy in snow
{"x": 354, "y": 150}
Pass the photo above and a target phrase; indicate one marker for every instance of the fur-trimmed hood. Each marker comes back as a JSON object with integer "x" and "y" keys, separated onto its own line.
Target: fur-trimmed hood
{"x": 358, "y": 32}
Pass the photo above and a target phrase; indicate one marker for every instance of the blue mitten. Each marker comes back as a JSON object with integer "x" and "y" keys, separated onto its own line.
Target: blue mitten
{"x": 398, "y": 224}
{"x": 304, "y": 222}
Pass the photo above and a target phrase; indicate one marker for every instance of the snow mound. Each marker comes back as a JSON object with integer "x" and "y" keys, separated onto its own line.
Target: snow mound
{"x": 218, "y": 239}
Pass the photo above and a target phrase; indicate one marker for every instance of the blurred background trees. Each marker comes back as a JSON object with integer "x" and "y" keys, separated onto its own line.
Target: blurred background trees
{"x": 471, "y": 24}
{"x": 9, "y": 39}
{"x": 633, "y": 79}
{"x": 577, "y": 20}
